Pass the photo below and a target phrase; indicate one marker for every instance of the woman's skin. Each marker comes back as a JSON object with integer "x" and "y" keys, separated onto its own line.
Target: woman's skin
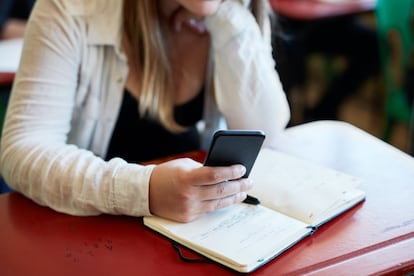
{"x": 183, "y": 189}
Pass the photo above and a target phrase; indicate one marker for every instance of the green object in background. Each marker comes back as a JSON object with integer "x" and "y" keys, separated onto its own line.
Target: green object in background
{"x": 4, "y": 93}
{"x": 2, "y": 114}
{"x": 3, "y": 106}
{"x": 396, "y": 32}
{"x": 4, "y": 99}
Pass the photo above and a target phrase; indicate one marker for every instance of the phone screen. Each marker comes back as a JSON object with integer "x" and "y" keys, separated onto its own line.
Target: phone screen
{"x": 230, "y": 147}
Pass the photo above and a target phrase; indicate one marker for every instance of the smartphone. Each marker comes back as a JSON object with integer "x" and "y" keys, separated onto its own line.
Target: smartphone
{"x": 229, "y": 147}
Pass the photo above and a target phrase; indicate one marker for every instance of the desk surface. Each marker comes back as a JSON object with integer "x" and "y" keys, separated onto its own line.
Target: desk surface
{"x": 319, "y": 9}
{"x": 376, "y": 236}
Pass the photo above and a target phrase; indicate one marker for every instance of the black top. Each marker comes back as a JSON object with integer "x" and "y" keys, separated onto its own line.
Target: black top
{"x": 137, "y": 139}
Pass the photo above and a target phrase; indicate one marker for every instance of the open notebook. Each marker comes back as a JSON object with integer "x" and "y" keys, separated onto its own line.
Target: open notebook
{"x": 296, "y": 197}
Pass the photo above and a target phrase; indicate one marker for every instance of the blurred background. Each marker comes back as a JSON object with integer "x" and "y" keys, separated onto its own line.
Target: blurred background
{"x": 349, "y": 60}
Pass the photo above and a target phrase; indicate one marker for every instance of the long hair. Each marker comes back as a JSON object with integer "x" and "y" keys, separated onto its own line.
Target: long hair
{"x": 148, "y": 55}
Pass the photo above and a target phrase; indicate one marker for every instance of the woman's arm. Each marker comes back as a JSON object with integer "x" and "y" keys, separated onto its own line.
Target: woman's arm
{"x": 247, "y": 87}
{"x": 35, "y": 157}
{"x": 37, "y": 160}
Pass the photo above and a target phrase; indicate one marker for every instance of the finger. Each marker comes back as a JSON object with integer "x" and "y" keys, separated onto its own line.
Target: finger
{"x": 216, "y": 197}
{"x": 196, "y": 25}
{"x": 207, "y": 175}
{"x": 183, "y": 17}
{"x": 225, "y": 189}
{"x": 216, "y": 204}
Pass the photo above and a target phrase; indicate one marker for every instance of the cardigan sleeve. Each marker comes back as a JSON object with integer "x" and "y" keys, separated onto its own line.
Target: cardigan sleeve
{"x": 248, "y": 90}
{"x": 36, "y": 159}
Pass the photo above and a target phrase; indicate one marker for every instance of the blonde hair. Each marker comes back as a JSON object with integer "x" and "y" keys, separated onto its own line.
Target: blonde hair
{"x": 146, "y": 38}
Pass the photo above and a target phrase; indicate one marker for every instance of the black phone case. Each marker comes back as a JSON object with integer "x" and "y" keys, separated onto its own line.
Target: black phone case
{"x": 229, "y": 147}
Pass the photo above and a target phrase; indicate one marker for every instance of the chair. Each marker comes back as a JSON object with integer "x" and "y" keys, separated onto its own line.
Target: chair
{"x": 395, "y": 31}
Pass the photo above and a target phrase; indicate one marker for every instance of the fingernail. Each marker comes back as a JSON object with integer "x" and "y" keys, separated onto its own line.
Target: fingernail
{"x": 198, "y": 25}
{"x": 192, "y": 22}
{"x": 201, "y": 27}
{"x": 249, "y": 183}
{"x": 243, "y": 196}
{"x": 242, "y": 170}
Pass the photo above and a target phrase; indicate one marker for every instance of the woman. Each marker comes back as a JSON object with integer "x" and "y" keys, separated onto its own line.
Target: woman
{"x": 85, "y": 62}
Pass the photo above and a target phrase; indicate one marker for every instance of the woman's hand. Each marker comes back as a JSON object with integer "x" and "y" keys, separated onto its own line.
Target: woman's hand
{"x": 190, "y": 14}
{"x": 183, "y": 189}
{"x": 183, "y": 18}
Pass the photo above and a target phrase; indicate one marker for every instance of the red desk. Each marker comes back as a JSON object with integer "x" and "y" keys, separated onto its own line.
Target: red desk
{"x": 319, "y": 9}
{"x": 376, "y": 237}
{"x": 6, "y": 78}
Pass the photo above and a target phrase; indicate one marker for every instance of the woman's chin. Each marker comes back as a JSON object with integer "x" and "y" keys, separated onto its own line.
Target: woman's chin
{"x": 202, "y": 7}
